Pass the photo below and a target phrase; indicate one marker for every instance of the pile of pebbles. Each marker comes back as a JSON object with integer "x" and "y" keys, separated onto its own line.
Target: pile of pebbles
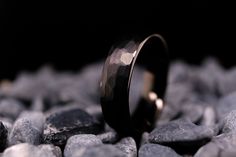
{"x": 57, "y": 114}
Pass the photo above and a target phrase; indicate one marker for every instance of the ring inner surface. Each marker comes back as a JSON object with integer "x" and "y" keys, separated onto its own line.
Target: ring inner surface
{"x": 152, "y": 57}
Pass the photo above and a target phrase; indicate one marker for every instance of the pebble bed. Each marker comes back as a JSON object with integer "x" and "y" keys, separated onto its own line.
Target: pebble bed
{"x": 48, "y": 113}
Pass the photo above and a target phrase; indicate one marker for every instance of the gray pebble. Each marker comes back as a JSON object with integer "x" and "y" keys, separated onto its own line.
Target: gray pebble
{"x": 37, "y": 104}
{"x": 95, "y": 111}
{"x": 10, "y": 108}
{"x": 144, "y": 138}
{"x": 202, "y": 83}
{"x": 88, "y": 81}
{"x": 27, "y": 128}
{"x": 209, "y": 116}
{"x": 181, "y": 134}
{"x": 193, "y": 112}
{"x": 227, "y": 83}
{"x": 3, "y": 137}
{"x": 153, "y": 150}
{"x": 222, "y": 144}
{"x": 63, "y": 124}
{"x": 99, "y": 151}
{"x": 28, "y": 150}
{"x": 47, "y": 150}
{"x": 28, "y": 86}
{"x": 79, "y": 141}
{"x": 177, "y": 94}
{"x": 109, "y": 137}
{"x": 226, "y": 104}
{"x": 178, "y": 72}
{"x": 128, "y": 146}
{"x": 229, "y": 122}
{"x": 20, "y": 150}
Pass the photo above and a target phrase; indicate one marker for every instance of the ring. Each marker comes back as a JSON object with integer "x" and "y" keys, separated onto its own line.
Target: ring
{"x": 116, "y": 79}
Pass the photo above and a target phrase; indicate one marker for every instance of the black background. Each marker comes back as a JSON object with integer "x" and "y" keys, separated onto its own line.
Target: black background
{"x": 70, "y": 35}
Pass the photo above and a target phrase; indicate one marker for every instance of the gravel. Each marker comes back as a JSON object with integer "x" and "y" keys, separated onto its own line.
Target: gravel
{"x": 53, "y": 114}
{"x": 77, "y": 142}
{"x": 63, "y": 124}
{"x": 28, "y": 128}
{"x": 153, "y": 150}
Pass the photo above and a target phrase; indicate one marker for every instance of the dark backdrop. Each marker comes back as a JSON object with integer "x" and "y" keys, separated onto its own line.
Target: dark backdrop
{"x": 70, "y": 35}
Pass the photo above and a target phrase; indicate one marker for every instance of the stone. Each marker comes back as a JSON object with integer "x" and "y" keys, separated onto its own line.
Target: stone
{"x": 144, "y": 138}
{"x": 229, "y": 122}
{"x": 89, "y": 82}
{"x": 227, "y": 83}
{"x": 10, "y": 108}
{"x": 176, "y": 95}
{"x": 8, "y": 123}
{"x": 202, "y": 83}
{"x": 27, "y": 128}
{"x": 182, "y": 135}
{"x": 219, "y": 145}
{"x": 3, "y": 137}
{"x": 28, "y": 86}
{"x": 153, "y": 150}
{"x": 95, "y": 111}
{"x": 38, "y": 104}
{"x": 63, "y": 124}
{"x": 193, "y": 112}
{"x": 209, "y": 116}
{"x": 20, "y": 150}
{"x": 226, "y": 104}
{"x": 47, "y": 150}
{"x": 76, "y": 142}
{"x": 128, "y": 146}
{"x": 28, "y": 150}
{"x": 109, "y": 137}
{"x": 99, "y": 151}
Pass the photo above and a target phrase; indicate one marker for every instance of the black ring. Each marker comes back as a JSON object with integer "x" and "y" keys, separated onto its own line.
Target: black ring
{"x": 115, "y": 85}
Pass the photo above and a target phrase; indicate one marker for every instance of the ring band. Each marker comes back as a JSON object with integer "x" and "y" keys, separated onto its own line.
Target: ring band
{"x": 116, "y": 79}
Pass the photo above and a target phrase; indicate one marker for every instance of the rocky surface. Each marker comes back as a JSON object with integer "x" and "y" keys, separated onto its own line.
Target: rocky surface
{"x": 61, "y": 125}
{"x": 53, "y": 114}
{"x": 28, "y": 128}
{"x": 78, "y": 142}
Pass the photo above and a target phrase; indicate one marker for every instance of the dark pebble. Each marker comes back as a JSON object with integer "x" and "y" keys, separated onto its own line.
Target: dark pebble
{"x": 96, "y": 112}
{"x": 3, "y": 137}
{"x": 10, "y": 108}
{"x": 182, "y": 135}
{"x": 63, "y": 124}
{"x": 154, "y": 150}
{"x": 76, "y": 142}
{"x": 27, "y": 128}
{"x": 8, "y": 123}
